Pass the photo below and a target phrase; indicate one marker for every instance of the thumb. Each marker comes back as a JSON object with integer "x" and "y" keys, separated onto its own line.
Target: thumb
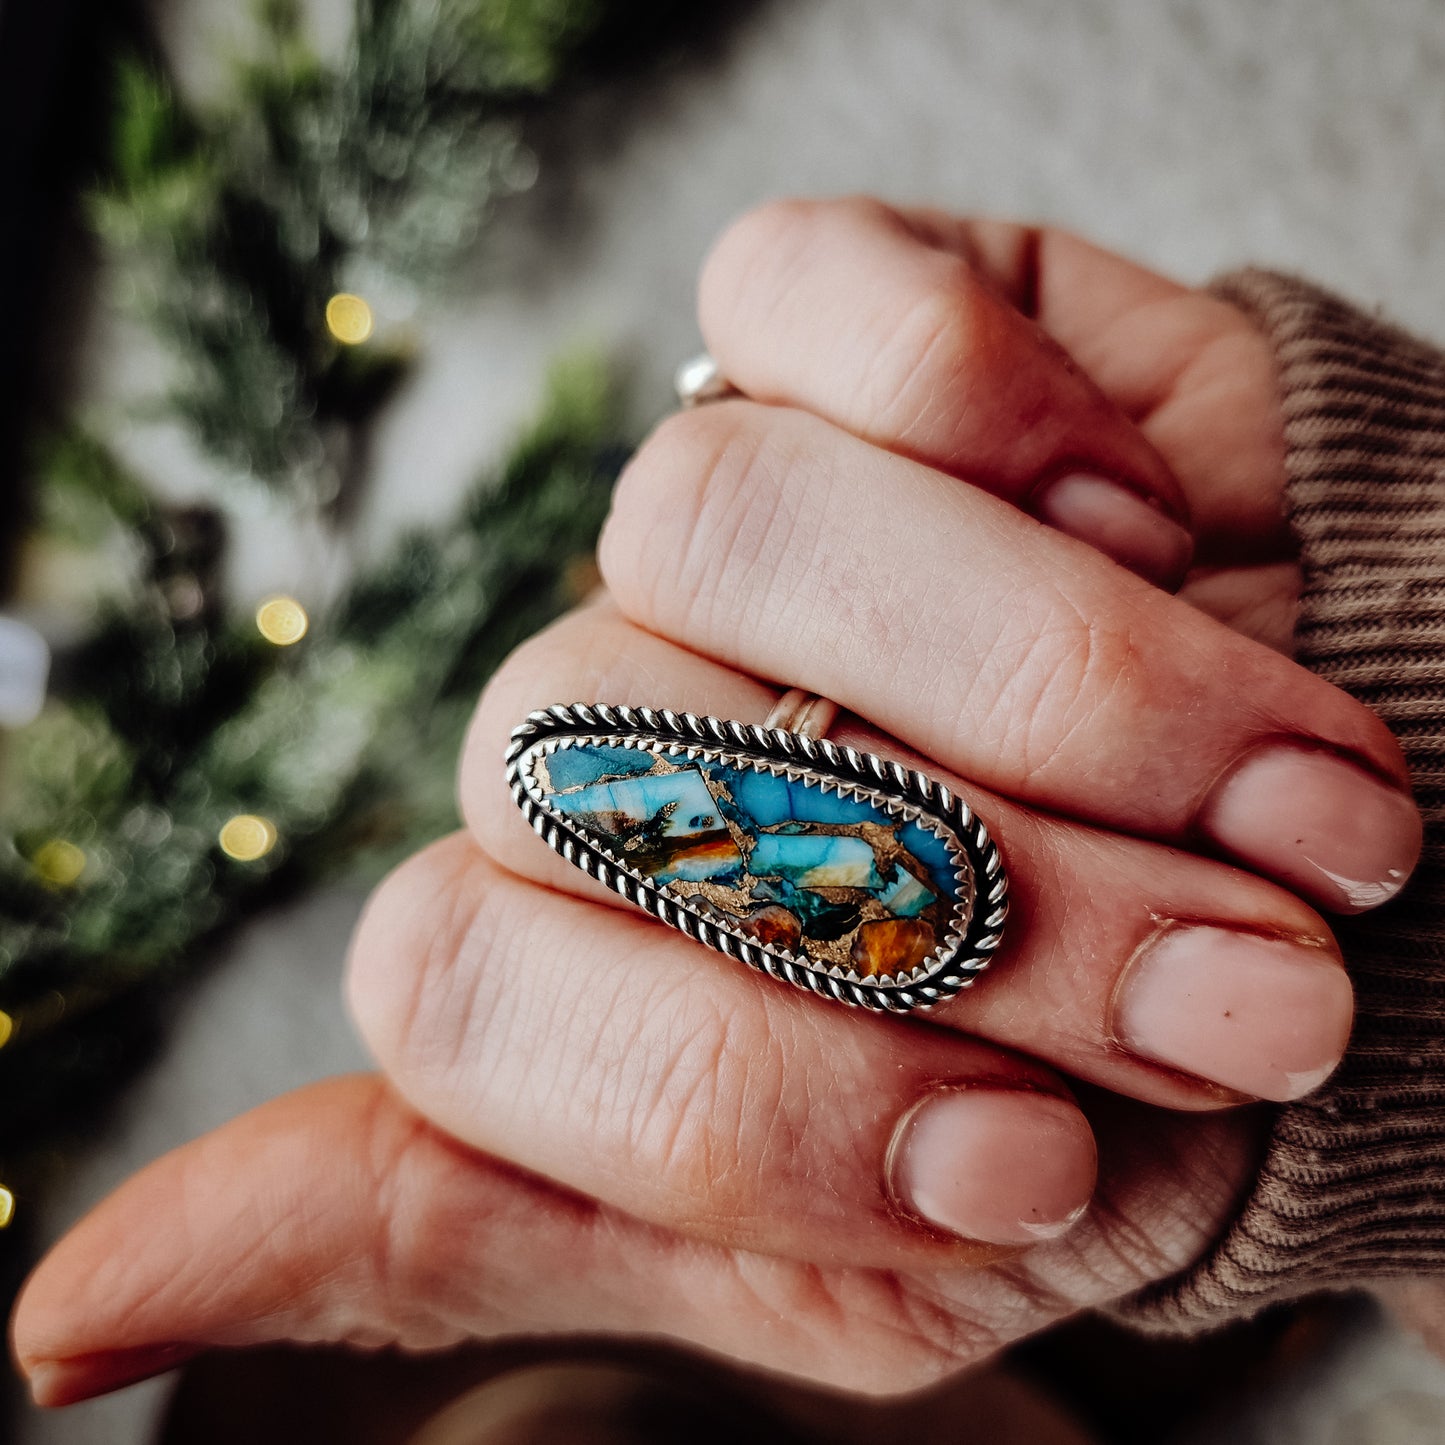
{"x": 336, "y": 1214}
{"x": 332, "y": 1214}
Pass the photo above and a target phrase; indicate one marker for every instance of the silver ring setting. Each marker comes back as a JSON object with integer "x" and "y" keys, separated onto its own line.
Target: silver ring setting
{"x": 834, "y": 870}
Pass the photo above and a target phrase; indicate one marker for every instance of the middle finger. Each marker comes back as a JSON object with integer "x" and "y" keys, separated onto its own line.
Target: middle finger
{"x": 1013, "y": 655}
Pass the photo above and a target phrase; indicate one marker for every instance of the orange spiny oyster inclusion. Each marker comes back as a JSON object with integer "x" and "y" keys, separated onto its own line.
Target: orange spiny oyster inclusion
{"x": 839, "y": 879}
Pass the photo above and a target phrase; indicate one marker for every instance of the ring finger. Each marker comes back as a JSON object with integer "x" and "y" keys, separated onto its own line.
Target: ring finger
{"x": 1083, "y": 388}
{"x": 1149, "y": 971}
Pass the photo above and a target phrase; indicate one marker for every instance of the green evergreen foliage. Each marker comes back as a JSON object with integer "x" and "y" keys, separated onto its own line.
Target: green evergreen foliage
{"x": 234, "y": 225}
{"x": 230, "y": 228}
{"x": 346, "y": 742}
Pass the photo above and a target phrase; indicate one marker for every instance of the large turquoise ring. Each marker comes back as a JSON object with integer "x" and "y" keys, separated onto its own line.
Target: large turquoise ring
{"x": 831, "y": 869}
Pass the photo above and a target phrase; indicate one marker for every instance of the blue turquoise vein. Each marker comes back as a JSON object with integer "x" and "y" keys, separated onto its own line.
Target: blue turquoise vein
{"x": 676, "y": 826}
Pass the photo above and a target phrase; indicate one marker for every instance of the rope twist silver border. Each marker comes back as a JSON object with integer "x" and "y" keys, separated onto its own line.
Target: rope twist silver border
{"x": 826, "y": 761}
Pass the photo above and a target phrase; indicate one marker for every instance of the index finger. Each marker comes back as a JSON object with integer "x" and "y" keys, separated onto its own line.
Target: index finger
{"x": 1103, "y": 398}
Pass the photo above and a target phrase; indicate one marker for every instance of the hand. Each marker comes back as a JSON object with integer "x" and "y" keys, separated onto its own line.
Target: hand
{"x": 588, "y": 1123}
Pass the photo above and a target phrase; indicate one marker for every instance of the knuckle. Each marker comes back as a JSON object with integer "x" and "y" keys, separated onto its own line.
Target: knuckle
{"x": 707, "y": 1110}
{"x": 578, "y": 649}
{"x": 1048, "y": 679}
{"x": 758, "y": 261}
{"x": 760, "y": 232}
{"x": 751, "y": 271}
{"x": 783, "y": 228}
{"x": 549, "y": 667}
{"x": 513, "y": 690}
{"x": 585, "y": 655}
{"x": 680, "y": 457}
{"x": 422, "y": 935}
{"x": 930, "y": 355}
{"x": 523, "y": 663}
{"x": 704, "y": 501}
{"x": 688, "y": 1091}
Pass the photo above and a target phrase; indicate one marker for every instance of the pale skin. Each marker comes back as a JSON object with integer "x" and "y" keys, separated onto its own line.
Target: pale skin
{"x": 583, "y": 1122}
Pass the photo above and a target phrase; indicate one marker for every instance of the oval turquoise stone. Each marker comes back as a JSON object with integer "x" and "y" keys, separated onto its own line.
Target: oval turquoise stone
{"x": 787, "y": 861}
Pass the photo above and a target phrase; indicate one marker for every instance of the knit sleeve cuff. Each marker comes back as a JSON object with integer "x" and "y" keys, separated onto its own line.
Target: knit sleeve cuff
{"x": 1352, "y": 1185}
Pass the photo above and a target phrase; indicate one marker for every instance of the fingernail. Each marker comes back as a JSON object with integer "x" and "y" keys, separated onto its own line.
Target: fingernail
{"x": 1004, "y": 1167}
{"x": 82, "y": 1377}
{"x": 1120, "y": 523}
{"x": 1269, "y": 1017}
{"x": 1319, "y": 823}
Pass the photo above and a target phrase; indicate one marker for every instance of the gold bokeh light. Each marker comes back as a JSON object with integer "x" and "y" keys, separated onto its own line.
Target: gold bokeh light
{"x": 282, "y": 621}
{"x": 349, "y": 319}
{"x": 59, "y": 863}
{"x": 7, "y": 1027}
{"x": 7, "y": 1206}
{"x": 247, "y": 837}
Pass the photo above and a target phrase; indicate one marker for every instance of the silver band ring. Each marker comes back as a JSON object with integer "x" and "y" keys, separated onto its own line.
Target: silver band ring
{"x": 699, "y": 380}
{"x": 804, "y": 713}
{"x": 840, "y": 872}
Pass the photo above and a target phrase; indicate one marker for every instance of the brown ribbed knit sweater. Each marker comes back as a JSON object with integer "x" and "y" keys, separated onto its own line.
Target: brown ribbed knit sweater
{"x": 1352, "y": 1188}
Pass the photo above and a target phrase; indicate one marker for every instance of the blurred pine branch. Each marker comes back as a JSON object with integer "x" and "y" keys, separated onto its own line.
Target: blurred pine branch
{"x": 233, "y": 225}
{"x": 230, "y": 227}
